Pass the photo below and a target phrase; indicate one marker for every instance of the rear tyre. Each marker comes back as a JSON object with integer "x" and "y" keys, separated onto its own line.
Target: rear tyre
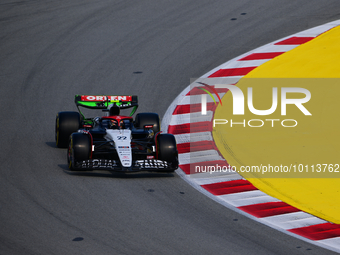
{"x": 79, "y": 149}
{"x": 167, "y": 150}
{"x": 66, "y": 123}
{"x": 148, "y": 118}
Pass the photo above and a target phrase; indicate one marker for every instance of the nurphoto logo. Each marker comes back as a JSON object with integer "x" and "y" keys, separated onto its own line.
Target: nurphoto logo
{"x": 239, "y": 102}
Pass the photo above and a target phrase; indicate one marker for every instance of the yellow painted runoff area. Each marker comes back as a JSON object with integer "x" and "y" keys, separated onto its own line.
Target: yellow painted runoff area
{"x": 294, "y": 157}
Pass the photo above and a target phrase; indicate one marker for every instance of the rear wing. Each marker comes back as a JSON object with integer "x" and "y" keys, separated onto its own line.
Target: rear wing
{"x": 104, "y": 102}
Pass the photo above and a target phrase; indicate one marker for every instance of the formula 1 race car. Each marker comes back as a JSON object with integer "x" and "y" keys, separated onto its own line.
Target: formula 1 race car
{"x": 114, "y": 142}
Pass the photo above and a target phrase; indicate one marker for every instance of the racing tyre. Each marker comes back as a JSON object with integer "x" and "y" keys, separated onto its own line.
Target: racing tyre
{"x": 66, "y": 123}
{"x": 148, "y": 118}
{"x": 167, "y": 150}
{"x": 79, "y": 149}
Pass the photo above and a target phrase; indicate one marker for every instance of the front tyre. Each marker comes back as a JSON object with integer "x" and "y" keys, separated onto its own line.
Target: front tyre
{"x": 79, "y": 149}
{"x": 66, "y": 123}
{"x": 167, "y": 150}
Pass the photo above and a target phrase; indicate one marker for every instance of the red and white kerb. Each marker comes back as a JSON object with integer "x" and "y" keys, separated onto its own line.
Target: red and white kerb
{"x": 196, "y": 147}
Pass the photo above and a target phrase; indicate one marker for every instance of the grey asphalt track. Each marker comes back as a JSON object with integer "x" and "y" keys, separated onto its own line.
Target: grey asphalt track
{"x": 52, "y": 50}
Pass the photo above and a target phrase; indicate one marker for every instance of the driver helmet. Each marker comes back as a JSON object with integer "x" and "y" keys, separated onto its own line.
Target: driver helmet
{"x": 113, "y": 124}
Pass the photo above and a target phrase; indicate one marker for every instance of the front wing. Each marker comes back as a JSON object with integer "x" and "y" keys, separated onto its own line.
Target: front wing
{"x": 151, "y": 165}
